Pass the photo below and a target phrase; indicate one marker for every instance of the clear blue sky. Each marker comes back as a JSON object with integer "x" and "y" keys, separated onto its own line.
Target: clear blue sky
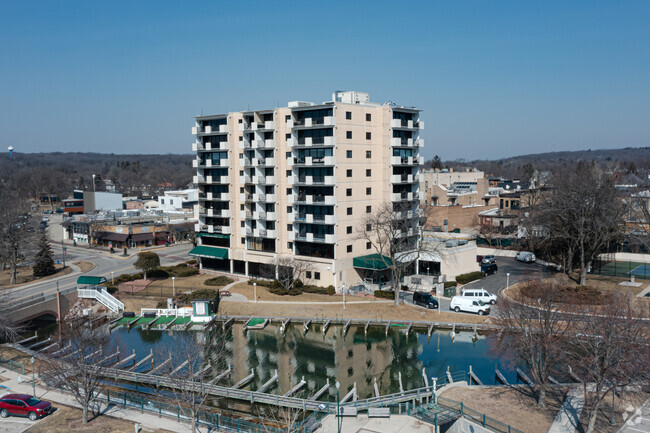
{"x": 494, "y": 78}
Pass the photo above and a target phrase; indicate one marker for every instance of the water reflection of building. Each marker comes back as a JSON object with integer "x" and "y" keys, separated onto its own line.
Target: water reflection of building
{"x": 348, "y": 359}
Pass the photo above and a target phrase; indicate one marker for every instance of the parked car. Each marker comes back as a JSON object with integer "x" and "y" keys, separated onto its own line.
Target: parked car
{"x": 425, "y": 299}
{"x": 47, "y": 212}
{"x": 470, "y": 305}
{"x": 481, "y": 294}
{"x": 489, "y": 269}
{"x": 525, "y": 256}
{"x": 488, "y": 259}
{"x": 24, "y": 405}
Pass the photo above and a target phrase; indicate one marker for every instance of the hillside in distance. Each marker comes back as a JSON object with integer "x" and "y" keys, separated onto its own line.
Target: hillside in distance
{"x": 629, "y": 158}
{"x": 59, "y": 173}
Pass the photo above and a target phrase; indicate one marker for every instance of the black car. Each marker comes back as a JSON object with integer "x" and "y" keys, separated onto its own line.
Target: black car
{"x": 425, "y": 299}
{"x": 489, "y": 269}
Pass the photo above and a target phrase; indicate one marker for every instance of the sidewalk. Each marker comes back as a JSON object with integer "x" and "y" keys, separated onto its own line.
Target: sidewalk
{"x": 146, "y": 420}
{"x": 568, "y": 416}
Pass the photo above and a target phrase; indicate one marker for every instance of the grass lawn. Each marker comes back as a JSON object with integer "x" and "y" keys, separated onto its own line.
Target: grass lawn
{"x": 166, "y": 288}
{"x": 26, "y": 275}
{"x": 511, "y": 406}
{"x": 67, "y": 419}
{"x": 625, "y": 405}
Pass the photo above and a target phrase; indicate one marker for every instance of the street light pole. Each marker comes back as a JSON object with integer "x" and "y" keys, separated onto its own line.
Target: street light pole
{"x": 112, "y": 279}
{"x": 338, "y": 408}
{"x": 343, "y": 290}
{"x": 255, "y": 291}
{"x": 507, "y": 280}
{"x": 173, "y": 286}
{"x": 93, "y": 186}
{"x": 33, "y": 378}
{"x": 63, "y": 252}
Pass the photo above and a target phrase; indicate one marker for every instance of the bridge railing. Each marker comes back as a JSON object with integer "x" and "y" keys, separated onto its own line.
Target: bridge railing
{"x": 20, "y": 303}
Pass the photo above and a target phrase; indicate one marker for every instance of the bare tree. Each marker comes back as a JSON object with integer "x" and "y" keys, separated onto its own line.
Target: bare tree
{"x": 584, "y": 213}
{"x": 9, "y": 331}
{"x": 290, "y": 270}
{"x": 79, "y": 368}
{"x": 610, "y": 348}
{"x": 194, "y": 362}
{"x": 394, "y": 233}
{"x": 284, "y": 418}
{"x": 534, "y": 330}
{"x": 14, "y": 229}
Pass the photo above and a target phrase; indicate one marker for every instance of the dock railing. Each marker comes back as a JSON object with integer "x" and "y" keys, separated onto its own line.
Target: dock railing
{"x": 476, "y": 416}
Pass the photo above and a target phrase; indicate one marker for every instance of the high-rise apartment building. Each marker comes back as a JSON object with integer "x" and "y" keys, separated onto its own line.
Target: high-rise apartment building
{"x": 297, "y": 183}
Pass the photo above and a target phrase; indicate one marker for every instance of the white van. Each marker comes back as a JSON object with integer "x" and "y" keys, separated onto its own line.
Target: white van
{"x": 480, "y": 294}
{"x": 470, "y": 305}
{"x": 526, "y": 257}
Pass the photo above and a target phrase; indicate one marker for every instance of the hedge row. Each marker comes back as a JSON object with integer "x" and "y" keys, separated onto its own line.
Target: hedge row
{"x": 450, "y": 284}
{"x": 384, "y": 294}
{"x": 277, "y": 288}
{"x": 469, "y": 277}
{"x": 220, "y": 281}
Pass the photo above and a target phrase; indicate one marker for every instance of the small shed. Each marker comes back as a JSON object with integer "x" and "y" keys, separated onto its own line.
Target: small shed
{"x": 202, "y": 308}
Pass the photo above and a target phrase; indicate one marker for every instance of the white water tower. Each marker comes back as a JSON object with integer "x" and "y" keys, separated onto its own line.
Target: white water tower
{"x": 11, "y": 151}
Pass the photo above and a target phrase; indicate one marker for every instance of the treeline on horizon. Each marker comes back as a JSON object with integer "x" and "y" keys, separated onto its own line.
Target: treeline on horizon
{"x": 33, "y": 175}
{"x": 630, "y": 160}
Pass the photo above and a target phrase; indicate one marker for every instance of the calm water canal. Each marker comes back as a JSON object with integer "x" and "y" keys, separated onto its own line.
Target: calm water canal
{"x": 348, "y": 359}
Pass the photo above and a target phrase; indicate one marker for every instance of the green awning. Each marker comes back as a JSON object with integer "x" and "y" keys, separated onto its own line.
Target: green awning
{"x": 91, "y": 281}
{"x": 212, "y": 235}
{"x": 209, "y": 252}
{"x": 373, "y": 262}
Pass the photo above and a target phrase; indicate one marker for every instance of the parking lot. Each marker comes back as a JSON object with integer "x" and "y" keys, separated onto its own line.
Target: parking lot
{"x": 493, "y": 283}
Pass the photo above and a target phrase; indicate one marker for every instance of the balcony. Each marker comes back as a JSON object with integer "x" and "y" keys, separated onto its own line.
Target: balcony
{"x": 312, "y": 237}
{"x": 407, "y": 160}
{"x": 406, "y": 124}
{"x": 196, "y": 146}
{"x": 314, "y": 141}
{"x": 268, "y": 198}
{"x": 311, "y": 161}
{"x": 259, "y": 232}
{"x": 264, "y": 162}
{"x": 309, "y": 122}
{"x": 257, "y": 126}
{"x": 221, "y": 129}
{"x": 403, "y": 178}
{"x": 245, "y": 214}
{"x": 316, "y": 219}
{"x": 402, "y": 196}
{"x": 260, "y": 144}
{"x": 328, "y": 200}
{"x": 312, "y": 180}
{"x": 246, "y": 180}
{"x": 216, "y": 196}
{"x": 264, "y": 180}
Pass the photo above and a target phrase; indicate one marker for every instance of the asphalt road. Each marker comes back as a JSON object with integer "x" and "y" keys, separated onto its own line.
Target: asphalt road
{"x": 105, "y": 264}
{"x": 494, "y": 283}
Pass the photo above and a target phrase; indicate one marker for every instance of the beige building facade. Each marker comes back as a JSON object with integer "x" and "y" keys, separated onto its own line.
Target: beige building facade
{"x": 296, "y": 184}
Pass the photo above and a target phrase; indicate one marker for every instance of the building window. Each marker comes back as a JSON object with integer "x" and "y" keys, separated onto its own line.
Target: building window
{"x": 317, "y": 275}
{"x": 348, "y": 135}
{"x": 288, "y": 154}
{"x": 368, "y": 209}
{"x": 349, "y": 211}
{"x": 368, "y": 172}
{"x": 348, "y": 173}
{"x": 368, "y": 245}
{"x": 349, "y": 230}
{"x": 368, "y": 135}
{"x": 368, "y": 227}
{"x": 289, "y": 209}
{"x": 288, "y": 136}
{"x": 348, "y": 192}
{"x": 240, "y": 120}
{"x": 368, "y": 154}
{"x": 290, "y": 245}
{"x": 288, "y": 173}
{"x": 368, "y": 191}
{"x": 349, "y": 248}
{"x": 348, "y": 154}
{"x": 287, "y": 117}
{"x": 308, "y": 274}
{"x": 289, "y": 227}
{"x": 288, "y": 191}
{"x": 368, "y": 117}
{"x": 243, "y": 241}
{"x": 348, "y": 115}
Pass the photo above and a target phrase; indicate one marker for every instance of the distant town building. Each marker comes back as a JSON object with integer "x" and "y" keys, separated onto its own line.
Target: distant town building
{"x": 178, "y": 200}
{"x": 98, "y": 201}
{"x": 74, "y": 205}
